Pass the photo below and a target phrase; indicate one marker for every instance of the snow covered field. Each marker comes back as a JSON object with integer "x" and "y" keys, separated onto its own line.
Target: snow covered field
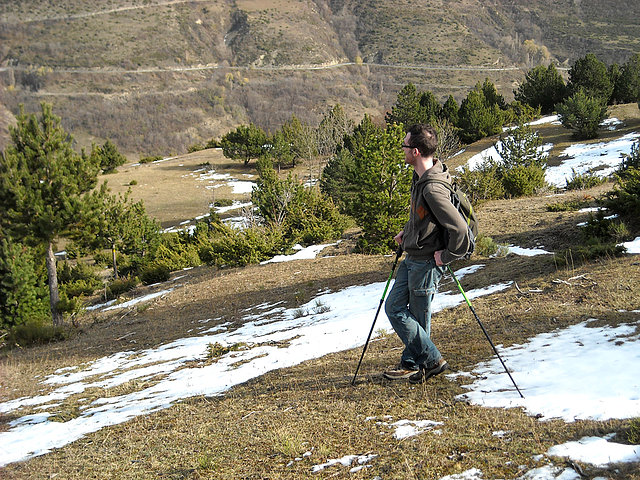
{"x": 606, "y": 157}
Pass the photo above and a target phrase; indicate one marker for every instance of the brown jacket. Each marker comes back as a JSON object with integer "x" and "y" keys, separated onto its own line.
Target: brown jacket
{"x": 423, "y": 235}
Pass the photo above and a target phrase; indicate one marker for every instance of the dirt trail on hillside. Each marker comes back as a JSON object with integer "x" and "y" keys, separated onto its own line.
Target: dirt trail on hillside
{"x": 104, "y": 12}
{"x": 215, "y": 66}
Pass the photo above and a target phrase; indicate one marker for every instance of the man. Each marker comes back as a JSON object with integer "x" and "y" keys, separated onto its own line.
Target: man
{"x": 434, "y": 236}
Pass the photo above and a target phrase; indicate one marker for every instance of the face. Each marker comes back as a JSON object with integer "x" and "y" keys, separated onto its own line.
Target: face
{"x": 409, "y": 157}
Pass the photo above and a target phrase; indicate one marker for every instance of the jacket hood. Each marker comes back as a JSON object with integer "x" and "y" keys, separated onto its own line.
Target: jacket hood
{"x": 439, "y": 171}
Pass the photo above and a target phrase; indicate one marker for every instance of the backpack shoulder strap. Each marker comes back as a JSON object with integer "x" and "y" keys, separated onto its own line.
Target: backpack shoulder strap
{"x": 441, "y": 182}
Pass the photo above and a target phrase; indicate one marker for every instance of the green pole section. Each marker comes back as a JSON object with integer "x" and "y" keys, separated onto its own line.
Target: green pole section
{"x": 484, "y": 330}
{"x": 384, "y": 294}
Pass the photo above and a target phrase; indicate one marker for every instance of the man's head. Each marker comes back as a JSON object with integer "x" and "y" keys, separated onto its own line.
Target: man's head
{"x": 423, "y": 137}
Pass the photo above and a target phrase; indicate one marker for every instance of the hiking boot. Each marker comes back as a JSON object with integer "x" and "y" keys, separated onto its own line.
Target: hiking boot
{"x": 428, "y": 371}
{"x": 400, "y": 372}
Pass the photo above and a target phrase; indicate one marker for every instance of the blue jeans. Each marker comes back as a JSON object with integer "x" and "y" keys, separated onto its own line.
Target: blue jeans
{"x": 408, "y": 307}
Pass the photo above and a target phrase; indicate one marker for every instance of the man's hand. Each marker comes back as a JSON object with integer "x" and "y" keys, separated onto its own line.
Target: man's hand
{"x": 398, "y": 237}
{"x": 438, "y": 258}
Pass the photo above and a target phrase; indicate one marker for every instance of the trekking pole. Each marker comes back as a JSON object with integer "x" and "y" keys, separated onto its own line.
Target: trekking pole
{"x": 483, "y": 329}
{"x": 398, "y": 255}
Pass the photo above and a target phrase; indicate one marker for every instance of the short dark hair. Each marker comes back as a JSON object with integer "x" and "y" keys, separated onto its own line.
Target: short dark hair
{"x": 424, "y": 138}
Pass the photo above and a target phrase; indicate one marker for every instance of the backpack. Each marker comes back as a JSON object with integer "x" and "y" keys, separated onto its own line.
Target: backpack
{"x": 465, "y": 209}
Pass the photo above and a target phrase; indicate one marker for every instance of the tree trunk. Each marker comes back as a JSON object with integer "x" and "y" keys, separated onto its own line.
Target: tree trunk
{"x": 115, "y": 264}
{"x": 54, "y": 294}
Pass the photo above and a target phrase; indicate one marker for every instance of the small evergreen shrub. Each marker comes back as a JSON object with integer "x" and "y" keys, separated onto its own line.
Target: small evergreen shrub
{"x": 69, "y": 306}
{"x": 80, "y": 271}
{"x": 633, "y": 159}
{"x": 102, "y": 259}
{"x": 214, "y": 143}
{"x": 23, "y": 295}
{"x": 195, "y": 148}
{"x": 582, "y": 181}
{"x": 313, "y": 218}
{"x": 518, "y": 112}
{"x": 236, "y": 248}
{"x": 120, "y": 286}
{"x": 625, "y": 197}
{"x": 78, "y": 280}
{"x": 217, "y": 350}
{"x": 109, "y": 156}
{"x": 600, "y": 238}
{"x": 523, "y": 180}
{"x": 36, "y": 333}
{"x": 583, "y": 114}
{"x": 633, "y": 435}
{"x": 178, "y": 257}
{"x": 80, "y": 288}
{"x": 150, "y": 159}
{"x": 604, "y": 229}
{"x": 155, "y": 273}
{"x": 589, "y": 251}
{"x": 485, "y": 246}
{"x": 223, "y": 202}
{"x": 482, "y": 183}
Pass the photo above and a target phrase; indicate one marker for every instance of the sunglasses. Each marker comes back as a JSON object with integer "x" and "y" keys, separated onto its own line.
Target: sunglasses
{"x": 406, "y": 146}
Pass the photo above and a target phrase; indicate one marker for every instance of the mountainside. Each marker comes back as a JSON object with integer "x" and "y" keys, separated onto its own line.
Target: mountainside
{"x": 156, "y": 76}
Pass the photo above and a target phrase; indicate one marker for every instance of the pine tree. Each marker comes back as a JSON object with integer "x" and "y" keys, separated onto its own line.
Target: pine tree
{"x": 523, "y": 165}
{"x": 491, "y": 95}
{"x": 614, "y": 75}
{"x": 303, "y": 214}
{"x": 625, "y": 197}
{"x": 582, "y": 114}
{"x": 478, "y": 118}
{"x": 244, "y": 143}
{"x": 449, "y": 111}
{"x": 382, "y": 184}
{"x": 279, "y": 150}
{"x": 543, "y": 87}
{"x": 628, "y": 82}
{"x": 22, "y": 294}
{"x": 43, "y": 185}
{"x": 271, "y": 195}
{"x": 338, "y": 181}
{"x": 110, "y": 157}
{"x": 430, "y": 107}
{"x": 302, "y": 139}
{"x": 520, "y": 146}
{"x": 592, "y": 76}
{"x": 118, "y": 224}
{"x": 407, "y": 110}
{"x": 333, "y": 127}
{"x": 339, "y": 178}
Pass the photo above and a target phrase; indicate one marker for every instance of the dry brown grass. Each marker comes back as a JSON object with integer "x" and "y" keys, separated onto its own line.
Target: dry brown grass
{"x": 158, "y": 182}
{"x": 172, "y": 190}
{"x": 256, "y": 429}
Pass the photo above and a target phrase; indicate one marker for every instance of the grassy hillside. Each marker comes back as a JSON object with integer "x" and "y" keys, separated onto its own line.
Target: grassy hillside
{"x": 157, "y": 76}
{"x": 264, "y": 427}
{"x": 156, "y": 183}
{"x": 258, "y": 429}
